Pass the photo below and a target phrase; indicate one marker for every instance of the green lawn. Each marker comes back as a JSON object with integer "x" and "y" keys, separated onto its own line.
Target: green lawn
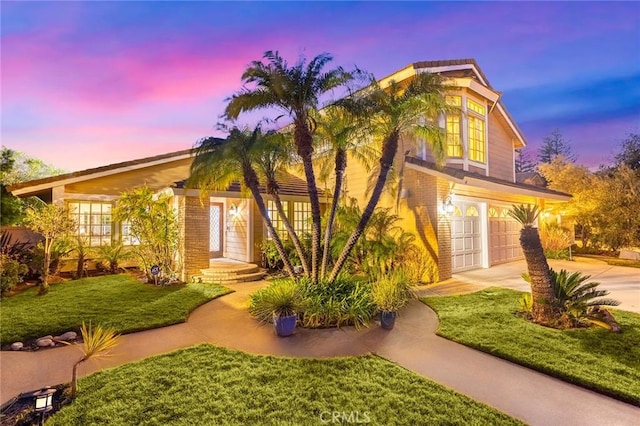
{"x": 117, "y": 301}
{"x": 207, "y": 385}
{"x": 595, "y": 358}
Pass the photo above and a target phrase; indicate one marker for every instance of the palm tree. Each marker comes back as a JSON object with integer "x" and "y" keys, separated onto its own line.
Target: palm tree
{"x": 275, "y": 155}
{"x": 542, "y": 292}
{"x": 295, "y": 90}
{"x": 409, "y": 108}
{"x": 97, "y": 342}
{"x": 341, "y": 132}
{"x": 219, "y": 163}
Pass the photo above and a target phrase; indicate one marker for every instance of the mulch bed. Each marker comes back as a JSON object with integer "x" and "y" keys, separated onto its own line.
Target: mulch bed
{"x": 20, "y": 410}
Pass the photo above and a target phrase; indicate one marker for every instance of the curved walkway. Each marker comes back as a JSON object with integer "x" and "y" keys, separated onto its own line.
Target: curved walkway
{"x": 533, "y": 397}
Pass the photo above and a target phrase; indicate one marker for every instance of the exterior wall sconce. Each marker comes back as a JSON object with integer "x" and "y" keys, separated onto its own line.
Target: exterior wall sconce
{"x": 447, "y": 205}
{"x": 234, "y": 211}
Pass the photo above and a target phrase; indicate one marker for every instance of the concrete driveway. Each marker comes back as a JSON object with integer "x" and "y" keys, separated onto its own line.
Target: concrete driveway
{"x": 622, "y": 282}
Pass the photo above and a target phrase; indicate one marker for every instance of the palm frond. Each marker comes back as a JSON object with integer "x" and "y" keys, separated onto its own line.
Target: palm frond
{"x": 525, "y": 214}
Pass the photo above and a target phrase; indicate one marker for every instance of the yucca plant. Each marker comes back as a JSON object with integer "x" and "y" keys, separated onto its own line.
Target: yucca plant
{"x": 579, "y": 300}
{"x": 97, "y": 342}
{"x": 544, "y": 301}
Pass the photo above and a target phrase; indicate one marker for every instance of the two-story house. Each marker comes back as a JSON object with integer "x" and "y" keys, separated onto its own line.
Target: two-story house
{"x": 458, "y": 212}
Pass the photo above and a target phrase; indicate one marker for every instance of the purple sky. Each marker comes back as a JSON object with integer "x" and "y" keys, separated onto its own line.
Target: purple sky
{"x": 86, "y": 84}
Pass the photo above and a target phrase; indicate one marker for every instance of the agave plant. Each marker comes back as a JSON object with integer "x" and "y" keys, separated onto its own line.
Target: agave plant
{"x": 580, "y": 300}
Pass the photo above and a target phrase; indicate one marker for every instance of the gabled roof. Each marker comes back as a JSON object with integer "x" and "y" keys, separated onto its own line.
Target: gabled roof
{"x": 475, "y": 179}
{"x": 461, "y": 68}
{"x": 49, "y": 182}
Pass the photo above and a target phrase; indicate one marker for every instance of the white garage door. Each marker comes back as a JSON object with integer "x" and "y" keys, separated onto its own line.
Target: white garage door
{"x": 466, "y": 238}
{"x": 504, "y": 236}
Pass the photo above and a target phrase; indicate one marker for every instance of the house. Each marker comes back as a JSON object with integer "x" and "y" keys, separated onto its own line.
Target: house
{"x": 458, "y": 212}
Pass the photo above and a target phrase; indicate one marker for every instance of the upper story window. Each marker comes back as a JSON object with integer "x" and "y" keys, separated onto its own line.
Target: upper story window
{"x": 93, "y": 221}
{"x": 476, "y": 131}
{"x": 453, "y": 129}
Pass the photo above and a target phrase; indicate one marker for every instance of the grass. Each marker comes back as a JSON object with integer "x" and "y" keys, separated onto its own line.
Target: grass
{"x": 117, "y": 301}
{"x": 613, "y": 261}
{"x": 210, "y": 385}
{"x": 594, "y": 358}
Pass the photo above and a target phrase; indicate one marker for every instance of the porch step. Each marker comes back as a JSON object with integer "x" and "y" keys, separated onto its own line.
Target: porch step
{"x": 230, "y": 279}
{"x": 227, "y": 271}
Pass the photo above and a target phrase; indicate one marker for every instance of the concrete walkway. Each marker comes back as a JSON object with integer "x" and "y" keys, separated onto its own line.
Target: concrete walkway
{"x": 532, "y": 397}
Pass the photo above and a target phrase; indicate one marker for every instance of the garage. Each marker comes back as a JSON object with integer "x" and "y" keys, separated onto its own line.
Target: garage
{"x": 504, "y": 236}
{"x": 466, "y": 237}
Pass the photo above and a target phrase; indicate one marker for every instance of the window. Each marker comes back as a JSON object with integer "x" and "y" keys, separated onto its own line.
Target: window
{"x": 471, "y": 212}
{"x": 476, "y": 139}
{"x": 127, "y": 238}
{"x": 454, "y": 100}
{"x": 301, "y": 217}
{"x": 475, "y": 107}
{"x": 276, "y": 220}
{"x": 454, "y": 142}
{"x": 93, "y": 220}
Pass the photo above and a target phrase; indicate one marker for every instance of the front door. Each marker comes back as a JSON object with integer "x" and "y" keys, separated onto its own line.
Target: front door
{"x": 215, "y": 230}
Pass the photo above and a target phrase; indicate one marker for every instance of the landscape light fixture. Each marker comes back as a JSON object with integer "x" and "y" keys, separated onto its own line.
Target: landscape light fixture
{"x": 43, "y": 402}
{"x": 447, "y": 204}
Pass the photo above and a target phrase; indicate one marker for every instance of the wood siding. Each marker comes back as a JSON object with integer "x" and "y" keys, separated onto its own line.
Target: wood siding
{"x": 501, "y": 163}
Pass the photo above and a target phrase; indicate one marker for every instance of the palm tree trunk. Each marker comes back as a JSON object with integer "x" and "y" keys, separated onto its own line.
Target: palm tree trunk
{"x": 292, "y": 233}
{"x": 74, "y": 378}
{"x": 304, "y": 145}
{"x": 341, "y": 165}
{"x": 543, "y": 311}
{"x": 251, "y": 180}
{"x": 389, "y": 149}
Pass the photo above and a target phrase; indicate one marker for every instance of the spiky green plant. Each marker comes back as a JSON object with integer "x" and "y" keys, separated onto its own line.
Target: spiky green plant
{"x": 577, "y": 298}
{"x": 281, "y": 298}
{"x": 392, "y": 291}
{"x": 97, "y": 342}
{"x": 525, "y": 304}
{"x": 526, "y": 214}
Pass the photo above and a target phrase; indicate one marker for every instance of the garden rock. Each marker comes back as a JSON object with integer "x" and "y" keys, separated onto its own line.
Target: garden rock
{"x": 68, "y": 336}
{"x": 45, "y": 342}
{"x": 17, "y": 346}
{"x": 50, "y": 337}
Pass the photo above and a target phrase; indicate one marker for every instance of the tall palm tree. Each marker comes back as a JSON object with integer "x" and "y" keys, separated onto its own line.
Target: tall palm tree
{"x": 409, "y": 108}
{"x": 219, "y": 163}
{"x": 544, "y": 299}
{"x": 342, "y": 133}
{"x": 275, "y": 155}
{"x": 295, "y": 90}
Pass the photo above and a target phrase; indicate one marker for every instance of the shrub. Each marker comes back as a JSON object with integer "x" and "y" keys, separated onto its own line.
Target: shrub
{"x": 419, "y": 266}
{"x": 346, "y": 301}
{"x": 282, "y": 298}
{"x": 556, "y": 242}
{"x": 112, "y": 255}
{"x": 525, "y": 305}
{"x": 392, "y": 291}
{"x": 11, "y": 273}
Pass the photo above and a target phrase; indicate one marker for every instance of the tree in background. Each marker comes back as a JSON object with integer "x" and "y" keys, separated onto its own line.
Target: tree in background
{"x": 554, "y": 145}
{"x": 16, "y": 167}
{"x": 629, "y": 154}
{"x": 524, "y": 162}
{"x": 52, "y": 222}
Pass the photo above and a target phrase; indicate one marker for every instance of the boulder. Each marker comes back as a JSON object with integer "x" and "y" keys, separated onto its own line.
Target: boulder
{"x": 68, "y": 336}
{"x": 45, "y": 342}
{"x": 17, "y": 346}
{"x": 47, "y": 337}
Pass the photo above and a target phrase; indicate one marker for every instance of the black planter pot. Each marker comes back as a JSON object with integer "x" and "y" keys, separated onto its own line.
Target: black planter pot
{"x": 285, "y": 326}
{"x": 387, "y": 320}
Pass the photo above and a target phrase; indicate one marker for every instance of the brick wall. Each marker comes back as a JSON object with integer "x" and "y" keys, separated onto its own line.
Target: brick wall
{"x": 193, "y": 219}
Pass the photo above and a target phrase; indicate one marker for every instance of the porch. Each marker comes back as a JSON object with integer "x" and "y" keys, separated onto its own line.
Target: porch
{"x": 229, "y": 271}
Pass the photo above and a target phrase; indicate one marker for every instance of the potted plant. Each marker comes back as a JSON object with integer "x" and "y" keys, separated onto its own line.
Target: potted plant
{"x": 390, "y": 293}
{"x": 277, "y": 303}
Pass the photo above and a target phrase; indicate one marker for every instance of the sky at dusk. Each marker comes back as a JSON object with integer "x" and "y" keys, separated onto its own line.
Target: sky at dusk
{"x": 85, "y": 84}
